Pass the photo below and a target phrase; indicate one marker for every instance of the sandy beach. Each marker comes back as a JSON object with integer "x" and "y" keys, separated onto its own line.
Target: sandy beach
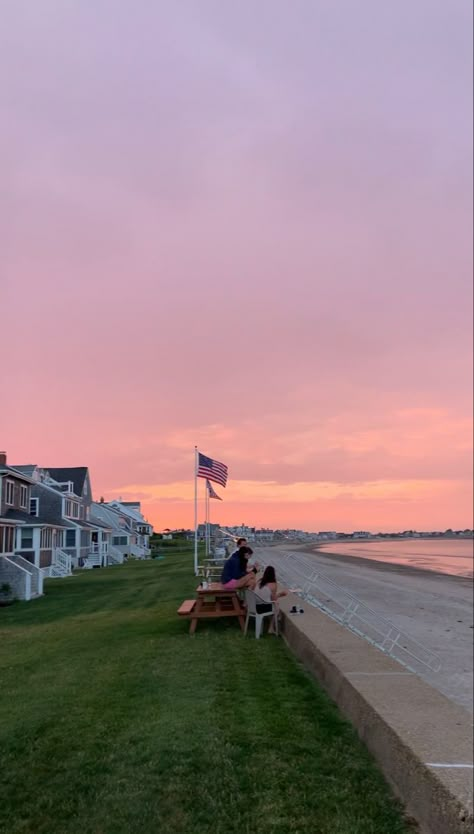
{"x": 434, "y": 608}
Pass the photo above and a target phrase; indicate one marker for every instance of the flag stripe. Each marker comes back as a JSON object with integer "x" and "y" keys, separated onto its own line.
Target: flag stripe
{"x": 211, "y": 469}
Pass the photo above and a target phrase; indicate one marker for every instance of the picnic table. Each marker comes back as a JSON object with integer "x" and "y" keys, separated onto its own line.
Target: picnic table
{"x": 212, "y": 602}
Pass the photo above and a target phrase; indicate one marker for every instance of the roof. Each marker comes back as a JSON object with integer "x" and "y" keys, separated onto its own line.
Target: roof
{"x": 4, "y": 520}
{"x": 126, "y": 510}
{"x": 16, "y": 473}
{"x": 89, "y": 525}
{"x": 31, "y": 520}
{"x": 76, "y": 474}
{"x": 26, "y": 469}
{"x": 107, "y": 515}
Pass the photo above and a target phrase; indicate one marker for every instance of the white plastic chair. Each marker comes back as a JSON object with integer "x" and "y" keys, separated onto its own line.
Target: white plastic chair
{"x": 251, "y": 601}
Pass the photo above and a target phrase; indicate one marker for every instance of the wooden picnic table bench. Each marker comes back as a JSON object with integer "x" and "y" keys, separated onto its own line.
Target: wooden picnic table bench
{"x": 212, "y": 602}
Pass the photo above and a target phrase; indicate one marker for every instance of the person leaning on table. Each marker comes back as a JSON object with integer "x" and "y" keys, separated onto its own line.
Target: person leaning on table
{"x": 237, "y": 573}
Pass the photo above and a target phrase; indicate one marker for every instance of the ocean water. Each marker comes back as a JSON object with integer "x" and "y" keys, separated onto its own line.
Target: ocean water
{"x": 452, "y": 556}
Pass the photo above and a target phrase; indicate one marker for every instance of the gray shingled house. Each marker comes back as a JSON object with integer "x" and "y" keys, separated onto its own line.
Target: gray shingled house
{"x": 63, "y": 497}
{"x": 24, "y": 578}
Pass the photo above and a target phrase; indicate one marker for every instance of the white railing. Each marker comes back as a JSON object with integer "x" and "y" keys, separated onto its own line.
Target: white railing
{"x": 320, "y": 591}
{"x": 99, "y": 547}
{"x": 139, "y": 552}
{"x": 115, "y": 557}
{"x": 61, "y": 564}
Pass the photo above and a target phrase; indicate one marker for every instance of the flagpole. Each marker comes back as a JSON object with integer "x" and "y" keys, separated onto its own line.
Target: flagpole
{"x": 205, "y": 517}
{"x": 209, "y": 518}
{"x": 196, "y": 459}
{"x": 208, "y": 502}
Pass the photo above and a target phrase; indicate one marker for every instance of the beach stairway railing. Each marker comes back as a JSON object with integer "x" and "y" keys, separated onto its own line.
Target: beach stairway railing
{"x": 322, "y": 592}
{"x": 115, "y": 556}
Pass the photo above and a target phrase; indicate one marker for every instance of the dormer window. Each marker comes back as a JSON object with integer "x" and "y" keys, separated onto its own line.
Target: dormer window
{"x": 34, "y": 507}
{"x": 67, "y": 486}
{"x": 23, "y": 497}
{"x": 72, "y": 509}
{"x": 9, "y": 493}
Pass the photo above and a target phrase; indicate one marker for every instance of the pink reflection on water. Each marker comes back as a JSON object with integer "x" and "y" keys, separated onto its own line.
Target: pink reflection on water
{"x": 444, "y": 556}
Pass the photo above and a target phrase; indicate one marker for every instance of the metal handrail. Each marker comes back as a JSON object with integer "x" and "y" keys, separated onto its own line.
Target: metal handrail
{"x": 351, "y": 612}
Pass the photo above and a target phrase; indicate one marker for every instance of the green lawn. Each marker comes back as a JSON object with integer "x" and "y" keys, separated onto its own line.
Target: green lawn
{"x": 114, "y": 721}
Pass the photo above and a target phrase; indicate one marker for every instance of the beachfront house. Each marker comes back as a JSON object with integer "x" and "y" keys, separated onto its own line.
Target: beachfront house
{"x": 134, "y": 527}
{"x": 20, "y": 575}
{"x": 86, "y": 541}
{"x": 61, "y": 498}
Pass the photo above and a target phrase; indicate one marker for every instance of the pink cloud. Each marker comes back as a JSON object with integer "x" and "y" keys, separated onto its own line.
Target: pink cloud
{"x": 252, "y": 238}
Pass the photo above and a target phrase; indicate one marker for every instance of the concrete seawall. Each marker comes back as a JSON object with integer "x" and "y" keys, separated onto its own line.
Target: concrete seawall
{"x": 421, "y": 741}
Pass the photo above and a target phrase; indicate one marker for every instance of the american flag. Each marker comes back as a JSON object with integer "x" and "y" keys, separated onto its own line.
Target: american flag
{"x": 212, "y": 492}
{"x": 212, "y": 470}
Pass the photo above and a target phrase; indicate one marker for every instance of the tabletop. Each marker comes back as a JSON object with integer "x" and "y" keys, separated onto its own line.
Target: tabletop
{"x": 215, "y": 588}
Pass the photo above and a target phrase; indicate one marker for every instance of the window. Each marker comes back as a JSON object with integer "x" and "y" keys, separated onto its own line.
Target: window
{"x": 9, "y": 492}
{"x": 70, "y": 538}
{"x": 72, "y": 509}
{"x": 34, "y": 506}
{"x": 23, "y": 497}
{"x": 59, "y": 538}
{"x": 6, "y": 539}
{"x": 120, "y": 541}
{"x": 46, "y": 538}
{"x": 26, "y": 538}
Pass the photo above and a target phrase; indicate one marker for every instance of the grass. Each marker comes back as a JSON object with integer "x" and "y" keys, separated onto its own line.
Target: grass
{"x": 114, "y": 721}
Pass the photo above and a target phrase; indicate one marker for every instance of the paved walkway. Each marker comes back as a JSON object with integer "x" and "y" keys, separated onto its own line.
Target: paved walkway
{"x": 434, "y": 609}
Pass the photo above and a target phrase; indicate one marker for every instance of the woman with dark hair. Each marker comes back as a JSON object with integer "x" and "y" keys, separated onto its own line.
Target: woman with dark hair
{"x": 267, "y": 594}
{"x": 236, "y": 572}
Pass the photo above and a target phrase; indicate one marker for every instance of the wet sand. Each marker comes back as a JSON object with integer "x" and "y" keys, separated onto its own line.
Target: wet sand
{"x": 454, "y": 557}
{"x": 434, "y": 608}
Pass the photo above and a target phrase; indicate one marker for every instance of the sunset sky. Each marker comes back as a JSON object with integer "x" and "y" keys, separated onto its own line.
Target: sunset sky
{"x": 247, "y": 226}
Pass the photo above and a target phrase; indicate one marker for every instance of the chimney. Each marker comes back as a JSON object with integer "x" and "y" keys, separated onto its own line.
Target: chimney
{"x": 3, "y": 458}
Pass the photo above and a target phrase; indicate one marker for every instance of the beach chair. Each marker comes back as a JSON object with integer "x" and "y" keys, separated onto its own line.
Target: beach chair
{"x": 251, "y": 601}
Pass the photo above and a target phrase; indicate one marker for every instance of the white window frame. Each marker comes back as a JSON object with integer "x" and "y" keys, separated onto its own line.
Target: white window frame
{"x": 70, "y": 546}
{"x": 9, "y": 493}
{"x": 46, "y": 538}
{"x": 23, "y": 497}
{"x": 72, "y": 509}
{"x": 36, "y": 505}
{"x": 22, "y": 530}
{"x": 60, "y": 534}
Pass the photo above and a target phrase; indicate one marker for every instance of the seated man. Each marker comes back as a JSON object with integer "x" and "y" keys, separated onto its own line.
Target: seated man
{"x": 236, "y": 572}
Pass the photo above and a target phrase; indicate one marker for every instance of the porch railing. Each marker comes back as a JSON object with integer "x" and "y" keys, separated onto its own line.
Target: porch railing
{"x": 61, "y": 564}
{"x": 99, "y": 547}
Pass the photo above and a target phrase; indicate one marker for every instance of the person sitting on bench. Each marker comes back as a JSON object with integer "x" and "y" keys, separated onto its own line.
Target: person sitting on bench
{"x": 237, "y": 573}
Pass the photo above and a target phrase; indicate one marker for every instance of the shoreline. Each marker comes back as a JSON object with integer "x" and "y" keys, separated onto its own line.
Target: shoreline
{"x": 385, "y": 567}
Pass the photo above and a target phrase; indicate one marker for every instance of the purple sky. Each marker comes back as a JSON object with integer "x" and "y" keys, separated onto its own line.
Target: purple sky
{"x": 245, "y": 225}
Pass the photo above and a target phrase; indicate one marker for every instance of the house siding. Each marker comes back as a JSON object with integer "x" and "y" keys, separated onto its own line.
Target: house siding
{"x": 15, "y": 576}
{"x": 17, "y": 482}
{"x": 50, "y": 503}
